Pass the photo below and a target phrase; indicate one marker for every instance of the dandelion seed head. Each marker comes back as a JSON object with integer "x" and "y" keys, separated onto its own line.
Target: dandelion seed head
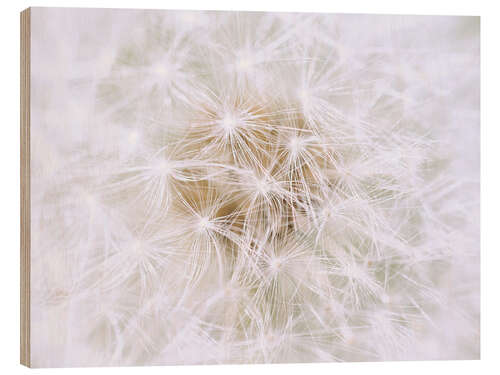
{"x": 162, "y": 69}
{"x": 165, "y": 70}
{"x": 263, "y": 185}
{"x": 284, "y": 189}
{"x": 244, "y": 61}
{"x": 275, "y": 265}
{"x": 229, "y": 122}
{"x": 326, "y": 212}
{"x": 204, "y": 224}
{"x": 353, "y": 270}
{"x": 163, "y": 167}
{"x": 295, "y": 146}
{"x": 137, "y": 249}
{"x": 304, "y": 95}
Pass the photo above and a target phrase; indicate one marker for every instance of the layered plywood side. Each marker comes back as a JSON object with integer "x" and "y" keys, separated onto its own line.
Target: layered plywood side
{"x": 25, "y": 188}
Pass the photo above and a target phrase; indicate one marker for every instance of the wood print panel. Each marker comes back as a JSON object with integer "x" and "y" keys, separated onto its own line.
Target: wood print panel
{"x": 245, "y": 187}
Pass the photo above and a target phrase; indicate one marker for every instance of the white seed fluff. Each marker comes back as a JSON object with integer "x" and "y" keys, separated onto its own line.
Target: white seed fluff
{"x": 220, "y": 187}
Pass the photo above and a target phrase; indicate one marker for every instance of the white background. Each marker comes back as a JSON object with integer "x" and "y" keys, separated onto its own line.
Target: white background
{"x": 490, "y": 181}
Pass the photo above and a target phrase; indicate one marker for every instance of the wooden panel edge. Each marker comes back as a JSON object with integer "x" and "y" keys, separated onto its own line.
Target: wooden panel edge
{"x": 25, "y": 241}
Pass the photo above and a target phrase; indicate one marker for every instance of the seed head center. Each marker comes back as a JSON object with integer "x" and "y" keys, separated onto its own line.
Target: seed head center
{"x": 229, "y": 122}
{"x": 163, "y": 167}
{"x": 203, "y": 223}
{"x": 295, "y": 145}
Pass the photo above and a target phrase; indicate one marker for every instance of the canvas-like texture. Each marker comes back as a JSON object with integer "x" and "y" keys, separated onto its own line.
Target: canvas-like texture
{"x": 224, "y": 187}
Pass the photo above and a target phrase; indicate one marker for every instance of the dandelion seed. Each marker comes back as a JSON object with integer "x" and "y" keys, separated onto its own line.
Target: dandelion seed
{"x": 244, "y": 61}
{"x": 162, "y": 167}
{"x": 204, "y": 224}
{"x": 275, "y": 265}
{"x": 305, "y": 97}
{"x": 164, "y": 69}
{"x": 137, "y": 249}
{"x": 295, "y": 145}
{"x": 229, "y": 123}
{"x": 263, "y": 185}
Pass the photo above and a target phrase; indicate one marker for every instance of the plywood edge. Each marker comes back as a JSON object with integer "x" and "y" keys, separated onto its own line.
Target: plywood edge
{"x": 25, "y": 70}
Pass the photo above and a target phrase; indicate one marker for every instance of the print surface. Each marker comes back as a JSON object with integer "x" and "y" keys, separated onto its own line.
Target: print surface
{"x": 224, "y": 187}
